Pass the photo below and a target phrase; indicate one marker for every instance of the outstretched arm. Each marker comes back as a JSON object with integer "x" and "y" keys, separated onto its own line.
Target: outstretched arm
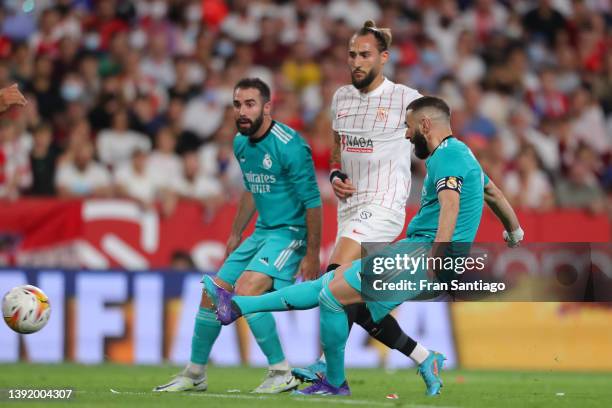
{"x": 498, "y": 203}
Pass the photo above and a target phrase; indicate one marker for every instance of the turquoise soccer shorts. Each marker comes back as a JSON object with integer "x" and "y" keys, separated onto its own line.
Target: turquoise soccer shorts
{"x": 379, "y": 309}
{"x": 276, "y": 253}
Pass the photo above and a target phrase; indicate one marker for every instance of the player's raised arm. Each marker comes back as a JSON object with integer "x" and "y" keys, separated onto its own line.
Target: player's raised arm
{"x": 246, "y": 209}
{"x": 498, "y": 203}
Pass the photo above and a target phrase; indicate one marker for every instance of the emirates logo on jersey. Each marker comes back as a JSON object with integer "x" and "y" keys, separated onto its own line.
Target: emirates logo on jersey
{"x": 381, "y": 114}
{"x": 356, "y": 144}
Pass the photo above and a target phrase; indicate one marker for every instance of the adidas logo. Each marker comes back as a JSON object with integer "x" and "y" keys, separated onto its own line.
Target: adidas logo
{"x": 264, "y": 261}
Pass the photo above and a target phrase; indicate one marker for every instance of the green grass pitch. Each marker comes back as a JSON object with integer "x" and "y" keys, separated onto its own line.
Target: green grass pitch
{"x": 132, "y": 388}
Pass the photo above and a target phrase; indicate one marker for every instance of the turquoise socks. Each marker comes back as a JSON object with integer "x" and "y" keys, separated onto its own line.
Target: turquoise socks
{"x": 263, "y": 327}
{"x": 205, "y": 332}
{"x": 334, "y": 334}
{"x": 299, "y": 297}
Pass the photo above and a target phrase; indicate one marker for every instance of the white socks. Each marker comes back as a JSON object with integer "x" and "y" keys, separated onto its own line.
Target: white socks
{"x": 196, "y": 370}
{"x": 282, "y": 366}
{"x": 419, "y": 354}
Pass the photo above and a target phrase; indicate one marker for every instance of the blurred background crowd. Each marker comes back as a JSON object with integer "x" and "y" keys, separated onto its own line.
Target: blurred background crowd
{"x": 133, "y": 98}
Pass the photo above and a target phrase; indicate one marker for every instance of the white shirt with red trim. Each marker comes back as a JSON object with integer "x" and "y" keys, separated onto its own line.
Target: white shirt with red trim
{"x": 375, "y": 153}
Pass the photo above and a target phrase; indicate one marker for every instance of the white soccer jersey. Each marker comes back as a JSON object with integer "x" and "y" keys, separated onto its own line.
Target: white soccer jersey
{"x": 375, "y": 153}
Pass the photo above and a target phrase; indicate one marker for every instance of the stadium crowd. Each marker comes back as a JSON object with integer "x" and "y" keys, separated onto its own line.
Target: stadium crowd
{"x": 133, "y": 98}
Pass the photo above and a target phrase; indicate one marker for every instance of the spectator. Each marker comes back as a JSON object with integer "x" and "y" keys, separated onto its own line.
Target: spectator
{"x": 514, "y": 72}
{"x": 157, "y": 63}
{"x": 116, "y": 145}
{"x": 269, "y": 51}
{"x": 15, "y": 172}
{"x": 467, "y": 64}
{"x": 476, "y": 126}
{"x": 528, "y": 187}
{"x": 544, "y": 22}
{"x": 522, "y": 131}
{"x": 182, "y": 261}
{"x": 580, "y": 190}
{"x": 163, "y": 163}
{"x": 355, "y": 12}
{"x": 134, "y": 180}
{"x": 548, "y": 101}
{"x": 300, "y": 69}
{"x": 588, "y": 125}
{"x": 43, "y": 158}
{"x": 82, "y": 176}
{"x": 193, "y": 185}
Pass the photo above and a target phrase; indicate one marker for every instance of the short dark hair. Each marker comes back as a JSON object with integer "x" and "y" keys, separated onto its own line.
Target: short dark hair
{"x": 256, "y": 83}
{"x": 383, "y": 35}
{"x": 429, "y": 102}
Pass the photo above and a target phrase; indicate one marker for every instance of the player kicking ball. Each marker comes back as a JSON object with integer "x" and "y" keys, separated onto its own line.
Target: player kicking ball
{"x": 451, "y": 208}
{"x": 281, "y": 186}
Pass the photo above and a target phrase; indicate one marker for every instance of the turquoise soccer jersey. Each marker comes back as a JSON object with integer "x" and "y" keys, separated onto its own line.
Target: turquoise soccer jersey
{"x": 452, "y": 165}
{"x": 278, "y": 170}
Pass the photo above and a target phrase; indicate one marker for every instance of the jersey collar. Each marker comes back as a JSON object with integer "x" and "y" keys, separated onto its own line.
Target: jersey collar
{"x": 264, "y": 135}
{"x": 442, "y": 141}
{"x": 378, "y": 91}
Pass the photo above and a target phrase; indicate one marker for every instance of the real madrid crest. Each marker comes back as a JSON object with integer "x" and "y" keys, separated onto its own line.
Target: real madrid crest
{"x": 267, "y": 162}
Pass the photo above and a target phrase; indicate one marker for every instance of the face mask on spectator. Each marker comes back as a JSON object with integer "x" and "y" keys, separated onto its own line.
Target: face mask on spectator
{"x": 225, "y": 48}
{"x": 429, "y": 57}
{"x": 91, "y": 41}
{"x": 71, "y": 91}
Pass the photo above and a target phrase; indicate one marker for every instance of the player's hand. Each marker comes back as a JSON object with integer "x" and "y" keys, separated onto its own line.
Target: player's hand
{"x": 514, "y": 238}
{"x": 232, "y": 243}
{"x": 343, "y": 189}
{"x": 310, "y": 267}
{"x": 11, "y": 96}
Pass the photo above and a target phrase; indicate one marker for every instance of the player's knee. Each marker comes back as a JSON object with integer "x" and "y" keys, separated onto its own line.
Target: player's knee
{"x": 249, "y": 288}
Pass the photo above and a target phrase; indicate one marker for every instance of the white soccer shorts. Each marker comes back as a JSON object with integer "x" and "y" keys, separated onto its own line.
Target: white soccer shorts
{"x": 370, "y": 223}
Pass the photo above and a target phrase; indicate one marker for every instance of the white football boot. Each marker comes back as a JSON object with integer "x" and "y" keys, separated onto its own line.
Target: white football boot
{"x": 184, "y": 382}
{"x": 277, "y": 381}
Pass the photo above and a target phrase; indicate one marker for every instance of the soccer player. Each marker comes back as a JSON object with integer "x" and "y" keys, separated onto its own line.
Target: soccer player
{"x": 451, "y": 209}
{"x": 281, "y": 186}
{"x": 371, "y": 177}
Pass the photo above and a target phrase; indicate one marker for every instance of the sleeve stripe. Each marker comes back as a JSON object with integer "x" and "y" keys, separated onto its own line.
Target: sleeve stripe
{"x": 281, "y": 134}
{"x": 284, "y": 132}
{"x": 280, "y": 137}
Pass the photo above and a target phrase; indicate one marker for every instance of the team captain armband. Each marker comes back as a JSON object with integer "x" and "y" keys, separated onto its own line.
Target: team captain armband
{"x": 449, "y": 183}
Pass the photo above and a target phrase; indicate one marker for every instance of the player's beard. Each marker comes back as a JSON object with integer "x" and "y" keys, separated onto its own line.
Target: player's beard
{"x": 421, "y": 150}
{"x": 254, "y": 125}
{"x": 365, "y": 81}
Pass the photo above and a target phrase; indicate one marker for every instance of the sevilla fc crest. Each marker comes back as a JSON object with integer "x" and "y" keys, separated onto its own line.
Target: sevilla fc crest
{"x": 381, "y": 114}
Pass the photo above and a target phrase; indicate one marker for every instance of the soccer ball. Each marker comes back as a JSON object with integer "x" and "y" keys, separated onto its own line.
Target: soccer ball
{"x": 26, "y": 309}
